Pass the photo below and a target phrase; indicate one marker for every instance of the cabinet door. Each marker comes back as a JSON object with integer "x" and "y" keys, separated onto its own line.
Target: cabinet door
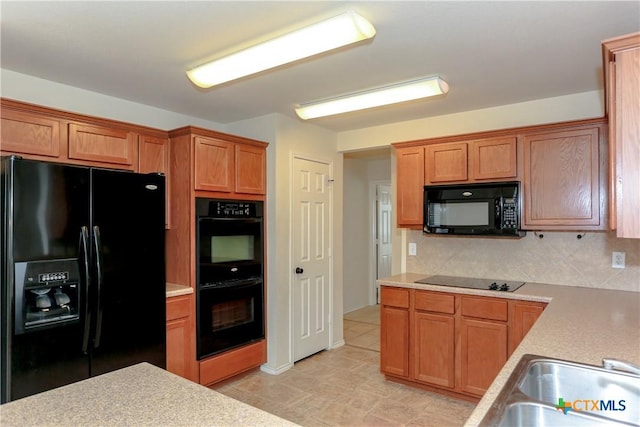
{"x": 29, "y": 134}
{"x": 625, "y": 142}
{"x": 483, "y": 352}
{"x": 493, "y": 159}
{"x": 446, "y": 162}
{"x": 153, "y": 156}
{"x": 410, "y": 185}
{"x": 102, "y": 144}
{"x": 523, "y": 315}
{"x": 433, "y": 349}
{"x": 250, "y": 169}
{"x": 180, "y": 343}
{"x": 561, "y": 179}
{"x": 214, "y": 161}
{"x": 394, "y": 342}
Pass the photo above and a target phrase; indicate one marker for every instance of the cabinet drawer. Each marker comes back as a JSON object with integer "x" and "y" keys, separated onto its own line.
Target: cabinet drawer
{"x": 178, "y": 307}
{"x": 395, "y": 297}
{"x": 484, "y": 308}
{"x": 435, "y": 301}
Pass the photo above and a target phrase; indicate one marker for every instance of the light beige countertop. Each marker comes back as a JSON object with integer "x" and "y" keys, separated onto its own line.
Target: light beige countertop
{"x": 174, "y": 290}
{"x": 579, "y": 324}
{"x": 139, "y": 395}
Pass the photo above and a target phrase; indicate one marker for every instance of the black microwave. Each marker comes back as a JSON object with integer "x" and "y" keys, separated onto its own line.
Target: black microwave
{"x": 489, "y": 209}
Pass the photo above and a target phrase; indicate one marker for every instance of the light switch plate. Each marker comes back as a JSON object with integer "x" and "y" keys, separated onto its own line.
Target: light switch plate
{"x": 413, "y": 249}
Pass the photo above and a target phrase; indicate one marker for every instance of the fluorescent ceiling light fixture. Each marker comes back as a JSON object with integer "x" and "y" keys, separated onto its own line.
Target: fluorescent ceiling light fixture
{"x": 408, "y": 91}
{"x": 323, "y": 36}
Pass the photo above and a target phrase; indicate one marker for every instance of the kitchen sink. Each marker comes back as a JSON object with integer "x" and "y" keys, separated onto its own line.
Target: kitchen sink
{"x": 554, "y": 392}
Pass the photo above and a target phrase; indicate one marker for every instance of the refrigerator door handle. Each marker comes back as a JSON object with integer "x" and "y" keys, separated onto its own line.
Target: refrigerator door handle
{"x": 99, "y": 277}
{"x": 84, "y": 247}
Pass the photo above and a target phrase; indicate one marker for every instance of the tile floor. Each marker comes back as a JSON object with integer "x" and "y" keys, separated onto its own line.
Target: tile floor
{"x": 344, "y": 387}
{"x": 362, "y": 328}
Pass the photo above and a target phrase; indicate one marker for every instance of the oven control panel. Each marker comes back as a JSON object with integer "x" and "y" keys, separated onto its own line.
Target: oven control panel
{"x": 239, "y": 209}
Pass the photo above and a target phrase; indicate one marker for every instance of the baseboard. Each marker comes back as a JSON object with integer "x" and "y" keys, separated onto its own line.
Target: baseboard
{"x": 269, "y": 370}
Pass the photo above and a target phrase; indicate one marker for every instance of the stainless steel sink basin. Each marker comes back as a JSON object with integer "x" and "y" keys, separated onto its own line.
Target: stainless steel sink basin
{"x": 538, "y": 414}
{"x": 543, "y": 391}
{"x": 608, "y": 393}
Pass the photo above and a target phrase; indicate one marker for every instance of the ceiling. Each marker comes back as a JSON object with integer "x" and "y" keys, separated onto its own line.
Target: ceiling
{"x": 490, "y": 53}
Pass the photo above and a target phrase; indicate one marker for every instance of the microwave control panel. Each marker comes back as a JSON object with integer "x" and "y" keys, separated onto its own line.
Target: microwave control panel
{"x": 510, "y": 213}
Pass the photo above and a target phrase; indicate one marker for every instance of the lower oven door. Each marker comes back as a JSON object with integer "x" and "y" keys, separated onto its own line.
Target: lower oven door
{"x": 229, "y": 315}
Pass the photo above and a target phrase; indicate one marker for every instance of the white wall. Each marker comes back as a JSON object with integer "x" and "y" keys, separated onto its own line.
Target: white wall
{"x": 549, "y": 110}
{"x": 22, "y": 87}
{"x": 288, "y": 137}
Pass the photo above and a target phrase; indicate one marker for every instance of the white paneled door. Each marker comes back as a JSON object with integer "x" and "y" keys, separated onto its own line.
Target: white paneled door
{"x": 383, "y": 233}
{"x": 311, "y": 216}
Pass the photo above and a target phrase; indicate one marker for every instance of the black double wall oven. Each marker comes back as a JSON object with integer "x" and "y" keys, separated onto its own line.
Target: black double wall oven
{"x": 230, "y": 274}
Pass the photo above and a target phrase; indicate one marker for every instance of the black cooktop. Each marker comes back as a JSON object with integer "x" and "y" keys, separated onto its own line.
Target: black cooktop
{"x": 473, "y": 283}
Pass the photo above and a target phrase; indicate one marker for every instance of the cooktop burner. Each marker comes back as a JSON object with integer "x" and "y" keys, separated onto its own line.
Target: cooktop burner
{"x": 473, "y": 283}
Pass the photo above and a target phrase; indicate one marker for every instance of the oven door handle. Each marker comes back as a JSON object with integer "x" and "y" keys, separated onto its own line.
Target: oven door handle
{"x": 241, "y": 284}
{"x": 240, "y": 220}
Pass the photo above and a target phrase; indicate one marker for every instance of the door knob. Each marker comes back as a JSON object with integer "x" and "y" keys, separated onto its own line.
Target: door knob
{"x": 299, "y": 270}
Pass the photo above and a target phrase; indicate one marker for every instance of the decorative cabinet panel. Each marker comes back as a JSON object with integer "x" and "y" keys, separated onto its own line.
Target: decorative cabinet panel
{"x": 102, "y": 144}
{"x": 250, "y": 165}
{"x": 434, "y": 348}
{"x": 153, "y": 156}
{"x": 410, "y": 185}
{"x": 483, "y": 352}
{"x": 622, "y": 79}
{"x": 523, "y": 314}
{"x": 445, "y": 163}
{"x": 181, "y": 349}
{"x": 30, "y": 133}
{"x": 561, "y": 185}
{"x": 394, "y": 317}
{"x": 214, "y": 164}
{"x": 493, "y": 159}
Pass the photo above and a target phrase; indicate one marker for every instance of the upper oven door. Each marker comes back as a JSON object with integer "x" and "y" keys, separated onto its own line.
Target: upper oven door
{"x": 229, "y": 249}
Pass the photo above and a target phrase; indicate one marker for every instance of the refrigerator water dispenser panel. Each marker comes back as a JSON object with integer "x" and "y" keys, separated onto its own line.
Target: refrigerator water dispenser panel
{"x": 47, "y": 294}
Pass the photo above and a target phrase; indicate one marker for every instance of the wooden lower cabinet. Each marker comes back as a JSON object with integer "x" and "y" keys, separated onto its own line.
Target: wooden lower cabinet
{"x": 394, "y": 318}
{"x": 452, "y": 343}
{"x": 181, "y": 349}
{"x": 483, "y": 352}
{"x": 433, "y": 349}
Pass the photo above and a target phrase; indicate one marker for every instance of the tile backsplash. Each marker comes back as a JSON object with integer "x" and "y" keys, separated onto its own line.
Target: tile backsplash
{"x": 558, "y": 258}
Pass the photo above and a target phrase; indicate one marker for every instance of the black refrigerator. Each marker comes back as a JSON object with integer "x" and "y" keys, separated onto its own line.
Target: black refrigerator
{"x": 83, "y": 273}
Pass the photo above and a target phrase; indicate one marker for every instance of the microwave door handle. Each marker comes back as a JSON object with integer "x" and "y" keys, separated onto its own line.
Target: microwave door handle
{"x": 84, "y": 247}
{"x": 98, "y": 253}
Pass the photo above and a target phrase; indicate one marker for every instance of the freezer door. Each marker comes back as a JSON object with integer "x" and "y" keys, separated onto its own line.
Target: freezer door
{"x": 45, "y": 206}
{"x": 129, "y": 266}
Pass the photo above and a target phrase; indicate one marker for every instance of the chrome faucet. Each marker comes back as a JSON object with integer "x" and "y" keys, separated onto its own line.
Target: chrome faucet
{"x": 621, "y": 365}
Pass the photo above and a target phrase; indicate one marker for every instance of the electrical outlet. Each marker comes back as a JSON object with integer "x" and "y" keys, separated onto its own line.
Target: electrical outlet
{"x": 412, "y": 249}
{"x": 617, "y": 259}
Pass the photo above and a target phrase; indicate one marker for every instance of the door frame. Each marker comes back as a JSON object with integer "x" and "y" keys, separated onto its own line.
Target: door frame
{"x": 291, "y": 277}
{"x": 373, "y": 225}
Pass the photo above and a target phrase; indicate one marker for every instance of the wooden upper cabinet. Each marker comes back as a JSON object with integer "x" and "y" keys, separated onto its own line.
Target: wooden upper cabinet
{"x": 410, "y": 186}
{"x": 29, "y": 134}
{"x": 102, "y": 144}
{"x": 250, "y": 166}
{"x": 445, "y": 163}
{"x": 491, "y": 159}
{"x": 561, "y": 179}
{"x": 214, "y": 164}
{"x": 153, "y": 156}
{"x": 622, "y": 79}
